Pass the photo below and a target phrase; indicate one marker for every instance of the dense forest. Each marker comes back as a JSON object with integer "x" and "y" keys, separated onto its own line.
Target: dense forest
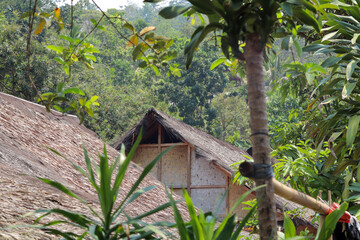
{"x": 111, "y": 66}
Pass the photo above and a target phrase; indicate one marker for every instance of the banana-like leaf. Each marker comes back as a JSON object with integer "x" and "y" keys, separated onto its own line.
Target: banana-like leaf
{"x": 173, "y": 11}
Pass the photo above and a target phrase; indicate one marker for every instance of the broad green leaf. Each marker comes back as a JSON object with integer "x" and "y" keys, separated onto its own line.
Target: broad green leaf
{"x": 25, "y": 14}
{"x": 128, "y": 25}
{"x": 285, "y": 44}
{"x": 347, "y": 89}
{"x": 59, "y": 60}
{"x": 350, "y": 68}
{"x": 289, "y": 227}
{"x": 90, "y": 56}
{"x": 203, "y": 6}
{"x": 330, "y": 223}
{"x": 352, "y": 130}
{"x": 298, "y": 47}
{"x": 307, "y": 19}
{"x": 155, "y": 69}
{"x": 68, "y": 38}
{"x": 330, "y": 61}
{"x": 58, "y": 49}
{"x": 173, "y": 11}
{"x": 314, "y": 47}
{"x": 74, "y": 91}
{"x": 217, "y": 63}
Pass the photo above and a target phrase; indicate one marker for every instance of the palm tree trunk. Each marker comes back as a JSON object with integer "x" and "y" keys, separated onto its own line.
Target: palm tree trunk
{"x": 253, "y": 54}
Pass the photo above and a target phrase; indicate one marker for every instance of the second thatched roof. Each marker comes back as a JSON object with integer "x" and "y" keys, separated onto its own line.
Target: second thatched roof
{"x": 219, "y": 152}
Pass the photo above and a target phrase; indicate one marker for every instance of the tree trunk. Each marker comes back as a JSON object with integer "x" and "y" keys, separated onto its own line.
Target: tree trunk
{"x": 253, "y": 54}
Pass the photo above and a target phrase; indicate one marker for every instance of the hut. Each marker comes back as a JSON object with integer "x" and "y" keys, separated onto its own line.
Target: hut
{"x": 198, "y": 162}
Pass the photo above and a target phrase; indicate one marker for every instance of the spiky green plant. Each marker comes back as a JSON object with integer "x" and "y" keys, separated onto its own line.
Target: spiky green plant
{"x": 112, "y": 222}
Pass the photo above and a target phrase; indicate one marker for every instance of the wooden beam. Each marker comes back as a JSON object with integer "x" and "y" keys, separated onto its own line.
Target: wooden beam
{"x": 207, "y": 186}
{"x": 228, "y": 180}
{"x": 162, "y": 145}
{"x": 188, "y": 170}
{"x": 159, "y": 151}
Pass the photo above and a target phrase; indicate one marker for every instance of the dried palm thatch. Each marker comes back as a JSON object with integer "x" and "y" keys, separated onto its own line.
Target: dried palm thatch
{"x": 26, "y": 129}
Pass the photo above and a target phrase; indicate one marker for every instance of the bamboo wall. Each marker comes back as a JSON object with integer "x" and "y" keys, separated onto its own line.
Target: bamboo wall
{"x": 180, "y": 169}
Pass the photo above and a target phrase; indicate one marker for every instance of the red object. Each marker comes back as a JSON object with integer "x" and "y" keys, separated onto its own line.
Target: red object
{"x": 344, "y": 218}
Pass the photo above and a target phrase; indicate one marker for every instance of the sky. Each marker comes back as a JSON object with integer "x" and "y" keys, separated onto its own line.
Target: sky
{"x": 106, "y": 4}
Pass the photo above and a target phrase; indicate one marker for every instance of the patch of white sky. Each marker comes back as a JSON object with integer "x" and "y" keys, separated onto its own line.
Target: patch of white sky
{"x": 118, "y": 4}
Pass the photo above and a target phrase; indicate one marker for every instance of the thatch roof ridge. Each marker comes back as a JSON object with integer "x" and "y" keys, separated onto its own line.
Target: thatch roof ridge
{"x": 219, "y": 152}
{"x": 25, "y": 129}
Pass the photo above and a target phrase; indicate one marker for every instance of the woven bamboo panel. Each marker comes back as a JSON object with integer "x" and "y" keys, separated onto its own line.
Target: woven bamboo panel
{"x": 208, "y": 199}
{"x": 204, "y": 173}
{"x": 174, "y": 167}
{"x": 143, "y": 156}
{"x": 234, "y": 193}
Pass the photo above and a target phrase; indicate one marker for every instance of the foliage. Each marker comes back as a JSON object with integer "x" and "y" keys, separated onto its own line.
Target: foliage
{"x": 112, "y": 222}
{"x": 322, "y": 234}
{"x": 333, "y": 94}
{"x": 81, "y": 105}
{"x": 303, "y": 167}
{"x": 204, "y": 225}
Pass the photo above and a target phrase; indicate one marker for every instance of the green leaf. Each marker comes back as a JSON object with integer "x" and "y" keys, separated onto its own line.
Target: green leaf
{"x": 217, "y": 62}
{"x": 58, "y": 49}
{"x": 347, "y": 89}
{"x": 314, "y": 47}
{"x": 331, "y": 61}
{"x": 330, "y": 223}
{"x": 285, "y": 44}
{"x": 129, "y": 26}
{"x": 68, "y": 38}
{"x": 352, "y": 129}
{"x": 203, "y": 6}
{"x": 25, "y": 14}
{"x": 173, "y": 11}
{"x": 354, "y": 39}
{"x": 62, "y": 188}
{"x": 155, "y": 69}
{"x": 298, "y": 47}
{"x": 289, "y": 227}
{"x": 350, "y": 68}
{"x": 307, "y": 19}
{"x": 90, "y": 56}
{"x": 74, "y": 91}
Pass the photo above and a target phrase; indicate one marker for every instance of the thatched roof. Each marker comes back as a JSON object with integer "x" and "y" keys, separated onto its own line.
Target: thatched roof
{"x": 26, "y": 129}
{"x": 219, "y": 152}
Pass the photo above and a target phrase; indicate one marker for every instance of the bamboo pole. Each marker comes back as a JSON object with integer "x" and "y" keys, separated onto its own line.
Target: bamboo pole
{"x": 300, "y": 198}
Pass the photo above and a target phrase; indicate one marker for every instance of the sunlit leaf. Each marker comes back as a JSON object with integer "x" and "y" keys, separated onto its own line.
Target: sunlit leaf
{"x": 350, "y": 68}
{"x": 146, "y": 30}
{"x": 133, "y": 40}
{"x": 217, "y": 63}
{"x": 40, "y": 27}
{"x": 57, "y": 13}
{"x": 352, "y": 129}
{"x": 347, "y": 89}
